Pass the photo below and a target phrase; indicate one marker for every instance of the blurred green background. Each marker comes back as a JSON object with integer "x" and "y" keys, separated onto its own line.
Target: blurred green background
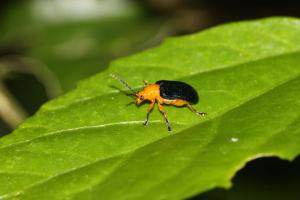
{"x": 46, "y": 47}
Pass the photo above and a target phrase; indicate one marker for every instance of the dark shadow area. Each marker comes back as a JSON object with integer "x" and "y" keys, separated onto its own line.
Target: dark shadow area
{"x": 4, "y": 128}
{"x": 194, "y": 15}
{"x": 262, "y": 179}
{"x": 28, "y": 91}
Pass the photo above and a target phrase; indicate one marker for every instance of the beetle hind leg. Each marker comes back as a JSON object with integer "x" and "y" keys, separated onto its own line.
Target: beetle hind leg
{"x": 195, "y": 111}
{"x": 162, "y": 110}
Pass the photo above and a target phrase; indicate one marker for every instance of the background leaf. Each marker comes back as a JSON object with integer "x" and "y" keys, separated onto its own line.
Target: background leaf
{"x": 89, "y": 144}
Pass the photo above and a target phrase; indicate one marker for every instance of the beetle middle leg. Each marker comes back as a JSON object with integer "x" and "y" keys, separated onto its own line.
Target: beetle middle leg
{"x": 148, "y": 113}
{"x": 195, "y": 111}
{"x": 162, "y": 110}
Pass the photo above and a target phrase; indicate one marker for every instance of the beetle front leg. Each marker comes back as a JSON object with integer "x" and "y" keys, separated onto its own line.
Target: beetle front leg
{"x": 195, "y": 111}
{"x": 145, "y": 82}
{"x": 148, "y": 113}
{"x": 162, "y": 110}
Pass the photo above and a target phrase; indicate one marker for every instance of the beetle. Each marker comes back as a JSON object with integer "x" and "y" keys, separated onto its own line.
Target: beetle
{"x": 162, "y": 92}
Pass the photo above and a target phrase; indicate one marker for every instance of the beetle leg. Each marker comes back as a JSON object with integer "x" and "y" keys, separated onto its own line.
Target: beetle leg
{"x": 195, "y": 111}
{"x": 145, "y": 82}
{"x": 148, "y": 113}
{"x": 162, "y": 110}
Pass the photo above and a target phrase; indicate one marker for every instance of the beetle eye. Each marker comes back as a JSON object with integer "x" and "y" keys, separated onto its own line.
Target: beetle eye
{"x": 141, "y": 98}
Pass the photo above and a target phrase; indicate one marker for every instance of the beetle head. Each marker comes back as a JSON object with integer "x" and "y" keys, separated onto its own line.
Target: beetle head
{"x": 140, "y": 97}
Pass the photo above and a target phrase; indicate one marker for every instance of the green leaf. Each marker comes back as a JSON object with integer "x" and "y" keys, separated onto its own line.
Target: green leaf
{"x": 88, "y": 144}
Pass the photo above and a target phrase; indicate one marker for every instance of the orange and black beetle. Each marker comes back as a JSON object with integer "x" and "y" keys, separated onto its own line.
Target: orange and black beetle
{"x": 165, "y": 92}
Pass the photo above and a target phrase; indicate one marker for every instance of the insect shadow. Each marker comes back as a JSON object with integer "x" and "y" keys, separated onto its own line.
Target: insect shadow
{"x": 127, "y": 94}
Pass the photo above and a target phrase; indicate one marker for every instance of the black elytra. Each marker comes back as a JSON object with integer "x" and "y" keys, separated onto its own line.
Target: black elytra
{"x": 177, "y": 90}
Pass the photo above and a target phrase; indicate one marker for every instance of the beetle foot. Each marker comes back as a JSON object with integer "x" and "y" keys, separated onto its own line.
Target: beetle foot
{"x": 146, "y": 123}
{"x": 202, "y": 114}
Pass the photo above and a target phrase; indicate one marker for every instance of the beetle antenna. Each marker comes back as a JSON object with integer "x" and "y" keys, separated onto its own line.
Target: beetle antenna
{"x": 124, "y": 83}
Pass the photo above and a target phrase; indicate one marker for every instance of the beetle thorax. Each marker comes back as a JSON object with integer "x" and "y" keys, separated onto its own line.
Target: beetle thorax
{"x": 150, "y": 92}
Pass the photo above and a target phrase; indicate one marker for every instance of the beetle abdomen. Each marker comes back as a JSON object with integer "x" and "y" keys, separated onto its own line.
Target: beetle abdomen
{"x": 177, "y": 90}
